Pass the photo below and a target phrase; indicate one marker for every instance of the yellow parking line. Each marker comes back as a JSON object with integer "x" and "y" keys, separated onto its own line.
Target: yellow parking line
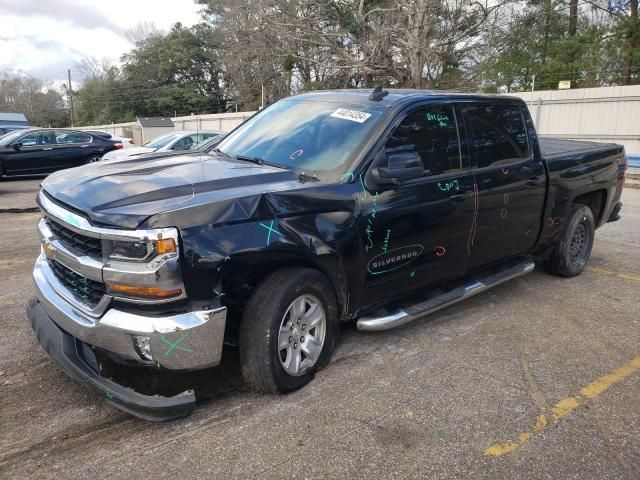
{"x": 566, "y": 406}
{"x": 625, "y": 276}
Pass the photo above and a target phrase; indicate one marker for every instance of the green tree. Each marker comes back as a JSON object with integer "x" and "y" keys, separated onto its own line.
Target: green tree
{"x": 179, "y": 72}
{"x": 38, "y": 100}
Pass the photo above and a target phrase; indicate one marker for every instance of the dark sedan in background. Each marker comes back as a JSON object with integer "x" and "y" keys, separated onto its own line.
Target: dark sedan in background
{"x": 45, "y": 150}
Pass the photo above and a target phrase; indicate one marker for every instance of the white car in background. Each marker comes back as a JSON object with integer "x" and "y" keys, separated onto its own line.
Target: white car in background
{"x": 125, "y": 141}
{"x": 182, "y": 140}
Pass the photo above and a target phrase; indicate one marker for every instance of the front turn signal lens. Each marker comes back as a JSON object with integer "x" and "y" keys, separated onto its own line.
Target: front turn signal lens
{"x": 165, "y": 245}
{"x": 133, "y": 291}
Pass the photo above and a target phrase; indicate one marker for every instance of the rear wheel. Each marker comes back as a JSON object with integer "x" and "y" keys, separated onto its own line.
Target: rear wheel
{"x": 93, "y": 159}
{"x": 288, "y": 331}
{"x": 572, "y": 252}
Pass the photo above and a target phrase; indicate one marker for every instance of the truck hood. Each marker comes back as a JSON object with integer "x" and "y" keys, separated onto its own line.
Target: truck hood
{"x": 127, "y": 152}
{"x": 126, "y": 193}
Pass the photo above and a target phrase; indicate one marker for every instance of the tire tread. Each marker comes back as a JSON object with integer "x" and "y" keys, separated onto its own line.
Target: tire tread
{"x": 256, "y": 360}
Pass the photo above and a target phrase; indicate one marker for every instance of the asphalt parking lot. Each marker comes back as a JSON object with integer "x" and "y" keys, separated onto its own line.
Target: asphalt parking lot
{"x": 537, "y": 378}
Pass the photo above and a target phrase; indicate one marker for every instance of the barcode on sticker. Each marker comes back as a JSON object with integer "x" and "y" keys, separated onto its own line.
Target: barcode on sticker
{"x": 353, "y": 115}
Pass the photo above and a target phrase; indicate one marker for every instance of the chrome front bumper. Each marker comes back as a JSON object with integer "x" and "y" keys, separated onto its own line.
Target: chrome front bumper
{"x": 184, "y": 341}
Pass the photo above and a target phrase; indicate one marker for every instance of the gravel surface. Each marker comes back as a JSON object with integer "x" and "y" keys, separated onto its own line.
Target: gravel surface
{"x": 18, "y": 195}
{"x": 423, "y": 401}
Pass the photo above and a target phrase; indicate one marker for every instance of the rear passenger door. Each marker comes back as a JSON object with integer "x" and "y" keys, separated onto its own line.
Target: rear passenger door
{"x": 72, "y": 149}
{"x": 510, "y": 182}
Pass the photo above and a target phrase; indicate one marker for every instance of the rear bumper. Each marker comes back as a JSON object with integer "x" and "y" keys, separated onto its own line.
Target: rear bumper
{"x": 77, "y": 360}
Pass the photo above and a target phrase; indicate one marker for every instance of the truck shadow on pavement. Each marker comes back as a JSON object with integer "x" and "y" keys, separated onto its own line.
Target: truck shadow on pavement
{"x": 208, "y": 384}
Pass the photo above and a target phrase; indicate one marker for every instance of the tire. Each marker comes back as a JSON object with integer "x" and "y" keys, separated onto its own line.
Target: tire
{"x": 263, "y": 363}
{"x": 93, "y": 158}
{"x": 572, "y": 252}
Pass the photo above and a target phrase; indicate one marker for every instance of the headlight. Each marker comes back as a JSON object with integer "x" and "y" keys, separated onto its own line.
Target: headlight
{"x": 139, "y": 251}
{"x": 143, "y": 266}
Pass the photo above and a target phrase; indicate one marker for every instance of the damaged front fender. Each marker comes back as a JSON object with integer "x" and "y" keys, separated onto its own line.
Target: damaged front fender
{"x": 229, "y": 246}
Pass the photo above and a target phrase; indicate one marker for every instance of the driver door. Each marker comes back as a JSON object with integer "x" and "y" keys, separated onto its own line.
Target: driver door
{"x": 417, "y": 233}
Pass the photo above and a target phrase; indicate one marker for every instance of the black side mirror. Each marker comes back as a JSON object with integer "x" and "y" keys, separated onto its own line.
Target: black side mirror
{"x": 17, "y": 146}
{"x": 400, "y": 167}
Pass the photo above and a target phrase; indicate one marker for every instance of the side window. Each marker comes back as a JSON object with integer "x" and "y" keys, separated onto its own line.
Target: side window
{"x": 65, "y": 138}
{"x": 431, "y": 132}
{"x": 185, "y": 143}
{"x": 38, "y": 138}
{"x": 206, "y": 136}
{"x": 30, "y": 140}
{"x": 497, "y": 134}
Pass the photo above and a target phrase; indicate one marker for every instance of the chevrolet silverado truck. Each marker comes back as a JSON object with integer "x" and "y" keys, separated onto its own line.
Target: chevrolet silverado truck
{"x": 327, "y": 207}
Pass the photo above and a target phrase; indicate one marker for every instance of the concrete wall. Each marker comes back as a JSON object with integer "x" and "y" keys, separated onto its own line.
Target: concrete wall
{"x": 216, "y": 121}
{"x": 607, "y": 114}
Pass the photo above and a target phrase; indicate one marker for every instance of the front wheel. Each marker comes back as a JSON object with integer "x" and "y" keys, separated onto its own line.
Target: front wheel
{"x": 288, "y": 330}
{"x": 572, "y": 252}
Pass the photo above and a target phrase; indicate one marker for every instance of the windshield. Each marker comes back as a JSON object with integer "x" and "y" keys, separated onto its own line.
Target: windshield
{"x": 10, "y": 137}
{"x": 162, "y": 140}
{"x": 304, "y": 135}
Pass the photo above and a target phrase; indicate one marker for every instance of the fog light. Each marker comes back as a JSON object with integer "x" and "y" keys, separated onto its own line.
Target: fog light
{"x": 143, "y": 347}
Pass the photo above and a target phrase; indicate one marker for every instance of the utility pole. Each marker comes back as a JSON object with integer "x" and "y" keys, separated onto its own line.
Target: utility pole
{"x": 262, "y": 96}
{"x": 533, "y": 82}
{"x": 573, "y": 17}
{"x": 628, "y": 64}
{"x": 70, "y": 92}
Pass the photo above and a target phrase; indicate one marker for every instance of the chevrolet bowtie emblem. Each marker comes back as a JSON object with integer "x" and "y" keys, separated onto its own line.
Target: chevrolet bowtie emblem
{"x": 49, "y": 251}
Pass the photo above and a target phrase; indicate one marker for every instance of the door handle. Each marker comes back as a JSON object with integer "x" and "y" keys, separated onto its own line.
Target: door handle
{"x": 47, "y": 148}
{"x": 457, "y": 197}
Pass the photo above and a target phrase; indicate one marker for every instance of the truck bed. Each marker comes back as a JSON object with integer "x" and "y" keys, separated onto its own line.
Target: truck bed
{"x": 556, "y": 147}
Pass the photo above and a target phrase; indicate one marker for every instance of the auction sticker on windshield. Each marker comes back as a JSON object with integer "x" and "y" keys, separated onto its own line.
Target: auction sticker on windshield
{"x": 353, "y": 115}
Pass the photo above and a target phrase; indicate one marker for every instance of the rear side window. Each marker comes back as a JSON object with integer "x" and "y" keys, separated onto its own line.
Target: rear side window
{"x": 65, "y": 137}
{"x": 497, "y": 134}
{"x": 432, "y": 133}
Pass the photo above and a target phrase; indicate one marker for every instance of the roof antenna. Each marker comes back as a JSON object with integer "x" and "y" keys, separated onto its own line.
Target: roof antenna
{"x": 378, "y": 94}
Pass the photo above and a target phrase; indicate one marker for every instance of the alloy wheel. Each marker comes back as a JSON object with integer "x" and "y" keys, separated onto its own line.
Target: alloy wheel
{"x": 301, "y": 335}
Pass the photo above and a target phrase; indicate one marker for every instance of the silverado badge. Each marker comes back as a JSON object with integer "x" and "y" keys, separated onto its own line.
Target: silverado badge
{"x": 393, "y": 259}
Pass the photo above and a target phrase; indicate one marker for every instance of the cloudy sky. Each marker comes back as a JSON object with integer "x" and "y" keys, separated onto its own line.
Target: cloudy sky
{"x": 46, "y": 37}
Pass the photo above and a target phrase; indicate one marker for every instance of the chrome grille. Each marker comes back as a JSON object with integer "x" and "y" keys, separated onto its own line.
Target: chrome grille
{"x": 77, "y": 242}
{"x": 85, "y": 290}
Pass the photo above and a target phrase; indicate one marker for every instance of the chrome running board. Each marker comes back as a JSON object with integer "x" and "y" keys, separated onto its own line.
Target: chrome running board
{"x": 401, "y": 316}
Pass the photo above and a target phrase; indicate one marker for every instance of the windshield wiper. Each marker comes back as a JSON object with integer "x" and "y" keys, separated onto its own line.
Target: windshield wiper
{"x": 304, "y": 177}
{"x": 246, "y": 158}
{"x": 217, "y": 150}
{"x": 259, "y": 161}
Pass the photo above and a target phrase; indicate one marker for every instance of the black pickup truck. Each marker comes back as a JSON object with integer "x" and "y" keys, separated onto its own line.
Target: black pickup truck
{"x": 376, "y": 207}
